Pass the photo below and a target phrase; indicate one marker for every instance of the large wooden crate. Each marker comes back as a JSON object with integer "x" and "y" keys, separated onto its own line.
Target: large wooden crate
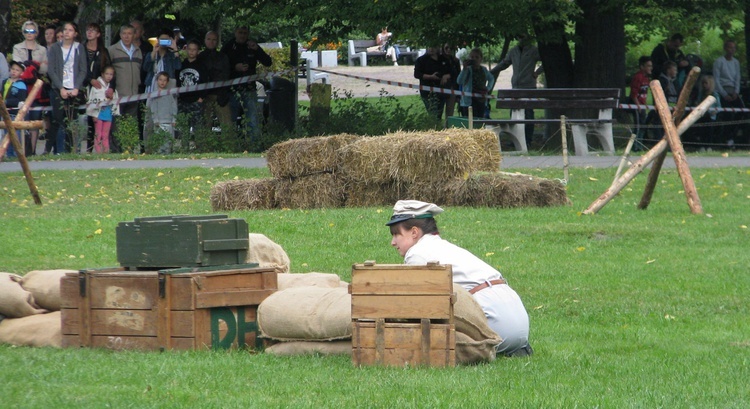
{"x": 151, "y": 243}
{"x": 168, "y": 309}
{"x": 402, "y": 315}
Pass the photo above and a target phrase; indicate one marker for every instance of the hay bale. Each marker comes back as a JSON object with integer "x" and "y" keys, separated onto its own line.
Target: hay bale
{"x": 306, "y": 156}
{"x": 368, "y": 159}
{"x": 431, "y": 191}
{"x": 253, "y": 194}
{"x": 436, "y": 156}
{"x": 325, "y": 190}
{"x": 501, "y": 189}
{"x": 360, "y": 194}
{"x": 489, "y": 158}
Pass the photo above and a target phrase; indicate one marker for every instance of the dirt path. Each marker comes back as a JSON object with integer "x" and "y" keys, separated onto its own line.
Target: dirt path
{"x": 364, "y": 88}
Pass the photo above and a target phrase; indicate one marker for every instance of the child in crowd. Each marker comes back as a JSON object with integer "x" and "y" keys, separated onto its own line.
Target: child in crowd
{"x": 477, "y": 79}
{"x": 163, "y": 110}
{"x": 639, "y": 86}
{"x": 14, "y": 93}
{"x": 193, "y": 72}
{"x": 101, "y": 110}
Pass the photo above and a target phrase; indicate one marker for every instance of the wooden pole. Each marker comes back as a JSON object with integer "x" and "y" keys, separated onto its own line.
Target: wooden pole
{"x": 564, "y": 132}
{"x": 24, "y": 125}
{"x": 679, "y": 111}
{"x": 678, "y": 153}
{"x": 19, "y": 117}
{"x": 471, "y": 118}
{"x": 625, "y": 155}
{"x": 19, "y": 151}
{"x": 647, "y": 158}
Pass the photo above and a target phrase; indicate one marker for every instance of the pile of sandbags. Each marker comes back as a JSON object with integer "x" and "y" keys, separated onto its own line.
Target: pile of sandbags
{"x": 266, "y": 253}
{"x": 475, "y": 340}
{"x": 451, "y": 167}
{"x": 310, "y": 314}
{"x": 30, "y": 307}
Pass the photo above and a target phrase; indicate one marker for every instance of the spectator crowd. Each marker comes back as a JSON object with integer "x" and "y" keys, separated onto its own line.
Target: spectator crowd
{"x": 79, "y": 69}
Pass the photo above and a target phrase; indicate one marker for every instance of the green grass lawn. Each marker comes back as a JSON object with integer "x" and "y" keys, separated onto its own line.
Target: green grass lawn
{"x": 628, "y": 308}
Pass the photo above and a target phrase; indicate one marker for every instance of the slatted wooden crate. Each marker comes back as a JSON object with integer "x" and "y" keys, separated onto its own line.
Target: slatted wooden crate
{"x": 151, "y": 243}
{"x": 402, "y": 315}
{"x": 169, "y": 309}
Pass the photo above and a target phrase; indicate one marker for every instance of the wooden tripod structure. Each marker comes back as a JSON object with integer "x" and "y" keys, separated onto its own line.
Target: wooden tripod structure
{"x": 11, "y": 127}
{"x": 658, "y": 153}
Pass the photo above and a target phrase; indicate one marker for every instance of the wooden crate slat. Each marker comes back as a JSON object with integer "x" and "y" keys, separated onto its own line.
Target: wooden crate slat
{"x": 402, "y": 282}
{"x": 122, "y": 292}
{"x": 409, "y": 336}
{"x": 204, "y": 299}
{"x": 390, "y": 306}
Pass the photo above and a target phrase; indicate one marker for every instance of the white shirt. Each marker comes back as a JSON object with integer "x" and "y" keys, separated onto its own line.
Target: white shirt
{"x": 468, "y": 270}
{"x": 503, "y": 308}
{"x": 69, "y": 58}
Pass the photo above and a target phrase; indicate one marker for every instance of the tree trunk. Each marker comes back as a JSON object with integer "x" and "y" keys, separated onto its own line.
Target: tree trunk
{"x": 5, "y": 14}
{"x": 600, "y": 52}
{"x": 556, "y": 57}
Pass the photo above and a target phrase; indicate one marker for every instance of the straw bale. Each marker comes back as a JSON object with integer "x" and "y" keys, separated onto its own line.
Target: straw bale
{"x": 433, "y": 192}
{"x": 372, "y": 194}
{"x": 368, "y": 159}
{"x": 489, "y": 158}
{"x": 306, "y": 156}
{"x": 253, "y": 194}
{"x": 501, "y": 189}
{"x": 435, "y": 156}
{"x": 316, "y": 191}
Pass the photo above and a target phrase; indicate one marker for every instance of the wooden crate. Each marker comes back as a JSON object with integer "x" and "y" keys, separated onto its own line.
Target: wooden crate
{"x": 403, "y": 344}
{"x": 152, "y": 243}
{"x": 168, "y": 309}
{"x": 402, "y": 315}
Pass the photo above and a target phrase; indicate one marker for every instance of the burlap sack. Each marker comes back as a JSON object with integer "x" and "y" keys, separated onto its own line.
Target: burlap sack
{"x": 310, "y": 348}
{"x": 267, "y": 253}
{"x": 322, "y": 280}
{"x": 44, "y": 285}
{"x": 41, "y": 330}
{"x": 306, "y": 313}
{"x": 15, "y": 302}
{"x": 475, "y": 340}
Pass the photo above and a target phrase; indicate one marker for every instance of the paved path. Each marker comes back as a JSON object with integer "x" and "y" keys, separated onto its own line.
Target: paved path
{"x": 740, "y": 159}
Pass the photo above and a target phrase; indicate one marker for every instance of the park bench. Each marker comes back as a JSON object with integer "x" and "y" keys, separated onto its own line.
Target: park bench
{"x": 358, "y": 51}
{"x": 581, "y": 101}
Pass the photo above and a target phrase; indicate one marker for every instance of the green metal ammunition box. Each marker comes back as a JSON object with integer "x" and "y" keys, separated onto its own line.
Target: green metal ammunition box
{"x": 181, "y": 241}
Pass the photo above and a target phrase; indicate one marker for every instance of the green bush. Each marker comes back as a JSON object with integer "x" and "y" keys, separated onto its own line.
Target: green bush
{"x": 126, "y": 133}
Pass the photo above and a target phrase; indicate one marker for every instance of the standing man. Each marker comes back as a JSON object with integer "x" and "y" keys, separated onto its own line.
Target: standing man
{"x": 127, "y": 60}
{"x": 244, "y": 56}
{"x": 727, "y": 76}
{"x": 216, "y": 101}
{"x": 433, "y": 70}
{"x": 670, "y": 51}
{"x": 523, "y": 57}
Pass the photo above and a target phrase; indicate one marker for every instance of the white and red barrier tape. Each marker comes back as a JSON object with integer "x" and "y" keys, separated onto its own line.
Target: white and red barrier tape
{"x": 237, "y": 81}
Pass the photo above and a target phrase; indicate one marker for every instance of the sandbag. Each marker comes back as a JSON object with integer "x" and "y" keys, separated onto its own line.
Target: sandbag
{"x": 323, "y": 280}
{"x": 44, "y": 285}
{"x": 475, "y": 340}
{"x": 310, "y": 348}
{"x": 40, "y": 330}
{"x": 306, "y": 313}
{"x": 15, "y": 302}
{"x": 266, "y": 253}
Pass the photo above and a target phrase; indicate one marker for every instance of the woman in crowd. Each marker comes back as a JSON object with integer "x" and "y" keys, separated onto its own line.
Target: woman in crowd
{"x": 97, "y": 57}
{"x": 67, "y": 74}
{"x": 30, "y": 50}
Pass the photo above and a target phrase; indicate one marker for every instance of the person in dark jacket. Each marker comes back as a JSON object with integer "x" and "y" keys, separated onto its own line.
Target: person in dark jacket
{"x": 433, "y": 70}
{"x": 244, "y": 57}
